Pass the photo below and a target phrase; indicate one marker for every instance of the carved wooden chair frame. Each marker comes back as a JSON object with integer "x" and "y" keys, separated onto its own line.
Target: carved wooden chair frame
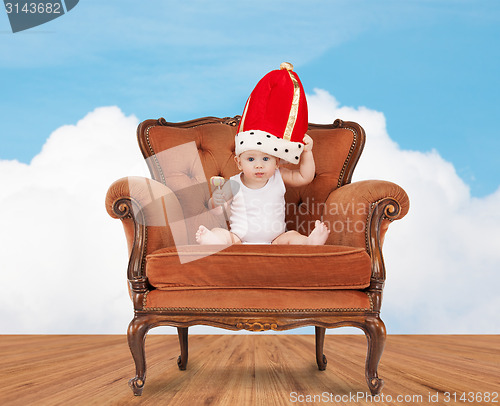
{"x": 367, "y": 320}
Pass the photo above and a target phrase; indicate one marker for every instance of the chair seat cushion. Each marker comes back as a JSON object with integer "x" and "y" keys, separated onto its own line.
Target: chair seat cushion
{"x": 257, "y": 300}
{"x": 297, "y": 267}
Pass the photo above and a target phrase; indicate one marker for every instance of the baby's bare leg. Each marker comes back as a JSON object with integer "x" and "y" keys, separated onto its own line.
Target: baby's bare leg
{"x": 318, "y": 236}
{"x": 215, "y": 236}
{"x": 290, "y": 237}
{"x": 227, "y": 236}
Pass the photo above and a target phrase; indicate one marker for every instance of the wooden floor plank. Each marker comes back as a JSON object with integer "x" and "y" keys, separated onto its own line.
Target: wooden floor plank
{"x": 242, "y": 369}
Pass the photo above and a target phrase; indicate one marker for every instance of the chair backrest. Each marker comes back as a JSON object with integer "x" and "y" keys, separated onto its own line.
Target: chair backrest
{"x": 184, "y": 156}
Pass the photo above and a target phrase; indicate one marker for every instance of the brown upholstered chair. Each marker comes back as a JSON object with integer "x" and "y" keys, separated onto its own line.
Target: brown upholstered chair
{"x": 175, "y": 282}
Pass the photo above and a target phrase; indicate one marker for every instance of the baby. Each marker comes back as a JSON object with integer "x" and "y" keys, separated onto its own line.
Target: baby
{"x": 256, "y": 201}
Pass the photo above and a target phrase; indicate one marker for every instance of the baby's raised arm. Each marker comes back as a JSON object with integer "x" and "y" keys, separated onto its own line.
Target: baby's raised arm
{"x": 305, "y": 173}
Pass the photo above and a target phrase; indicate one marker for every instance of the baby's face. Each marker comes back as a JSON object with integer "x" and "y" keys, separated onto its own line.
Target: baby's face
{"x": 257, "y": 165}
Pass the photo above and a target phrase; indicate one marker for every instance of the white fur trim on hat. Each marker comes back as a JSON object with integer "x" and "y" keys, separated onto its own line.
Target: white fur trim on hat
{"x": 256, "y": 140}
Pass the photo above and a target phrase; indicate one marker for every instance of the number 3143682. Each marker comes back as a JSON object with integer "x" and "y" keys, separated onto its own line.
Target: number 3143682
{"x": 33, "y": 8}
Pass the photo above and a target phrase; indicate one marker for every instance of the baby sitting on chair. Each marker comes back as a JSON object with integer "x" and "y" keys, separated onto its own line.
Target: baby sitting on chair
{"x": 273, "y": 127}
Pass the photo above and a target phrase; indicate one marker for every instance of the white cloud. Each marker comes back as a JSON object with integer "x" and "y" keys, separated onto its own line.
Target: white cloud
{"x": 442, "y": 259}
{"x": 64, "y": 259}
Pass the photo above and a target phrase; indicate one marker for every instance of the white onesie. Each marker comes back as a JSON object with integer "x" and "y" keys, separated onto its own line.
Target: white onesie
{"x": 258, "y": 215}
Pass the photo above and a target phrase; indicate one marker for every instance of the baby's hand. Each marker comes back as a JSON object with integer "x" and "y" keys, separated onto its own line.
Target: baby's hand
{"x": 218, "y": 198}
{"x": 308, "y": 141}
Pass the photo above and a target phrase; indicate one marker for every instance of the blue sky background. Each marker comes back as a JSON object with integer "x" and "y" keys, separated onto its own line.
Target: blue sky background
{"x": 424, "y": 74}
{"x": 430, "y": 66}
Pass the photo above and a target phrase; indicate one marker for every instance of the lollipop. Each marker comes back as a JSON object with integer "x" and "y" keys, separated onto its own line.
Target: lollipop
{"x": 217, "y": 181}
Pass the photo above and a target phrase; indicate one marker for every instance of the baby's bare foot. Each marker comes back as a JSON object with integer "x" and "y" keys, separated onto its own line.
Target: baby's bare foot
{"x": 206, "y": 237}
{"x": 319, "y": 235}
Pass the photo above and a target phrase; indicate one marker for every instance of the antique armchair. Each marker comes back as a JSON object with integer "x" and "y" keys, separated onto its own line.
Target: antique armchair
{"x": 175, "y": 282}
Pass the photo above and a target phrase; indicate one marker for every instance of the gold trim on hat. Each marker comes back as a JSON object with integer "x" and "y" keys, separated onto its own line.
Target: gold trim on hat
{"x": 294, "y": 109}
{"x": 242, "y": 121}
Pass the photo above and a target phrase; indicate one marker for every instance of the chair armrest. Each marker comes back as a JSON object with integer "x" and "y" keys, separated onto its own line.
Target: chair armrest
{"x": 359, "y": 214}
{"x": 143, "y": 205}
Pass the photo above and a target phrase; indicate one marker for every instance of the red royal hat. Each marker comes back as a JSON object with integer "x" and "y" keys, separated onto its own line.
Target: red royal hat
{"x": 275, "y": 117}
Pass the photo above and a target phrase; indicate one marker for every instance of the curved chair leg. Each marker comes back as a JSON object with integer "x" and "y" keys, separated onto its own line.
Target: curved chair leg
{"x": 375, "y": 333}
{"x": 182, "y": 332}
{"x": 136, "y": 335}
{"x": 320, "y": 340}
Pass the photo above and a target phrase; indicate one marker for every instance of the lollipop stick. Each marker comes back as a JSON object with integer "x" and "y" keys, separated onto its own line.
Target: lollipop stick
{"x": 218, "y": 182}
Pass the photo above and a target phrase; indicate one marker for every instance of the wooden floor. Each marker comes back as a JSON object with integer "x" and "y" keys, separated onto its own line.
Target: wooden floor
{"x": 250, "y": 369}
